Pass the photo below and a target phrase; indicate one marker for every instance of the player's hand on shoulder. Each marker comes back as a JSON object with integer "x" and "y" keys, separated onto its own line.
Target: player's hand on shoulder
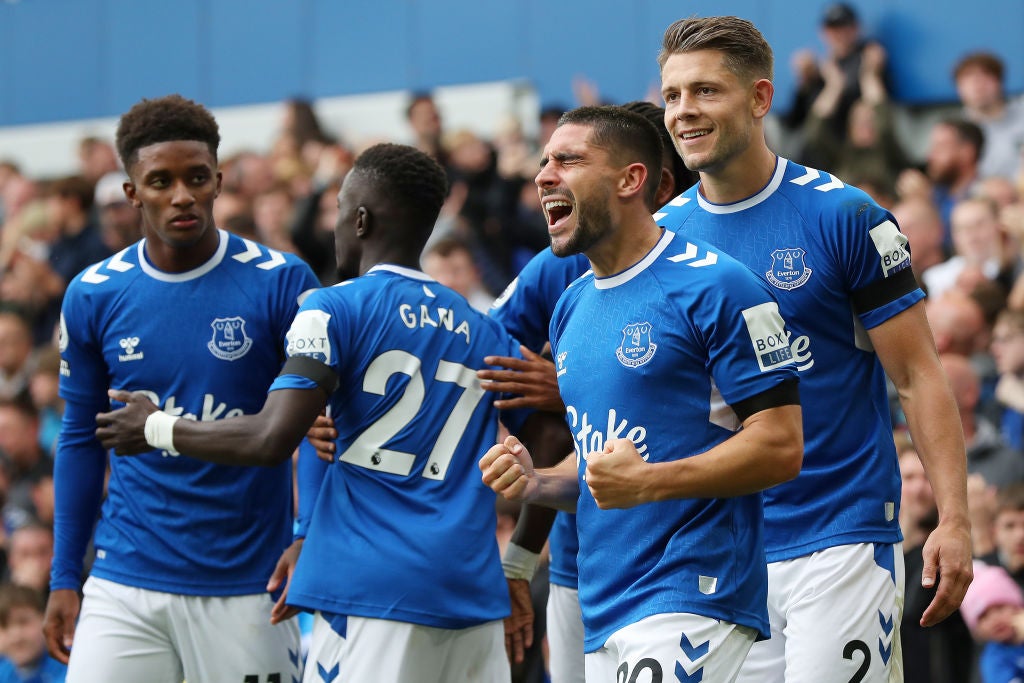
{"x": 124, "y": 429}
{"x": 617, "y": 476}
{"x": 59, "y": 623}
{"x": 531, "y": 378}
{"x": 508, "y": 469}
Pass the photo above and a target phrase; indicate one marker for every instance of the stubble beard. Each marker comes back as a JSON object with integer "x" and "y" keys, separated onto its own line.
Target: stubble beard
{"x": 592, "y": 225}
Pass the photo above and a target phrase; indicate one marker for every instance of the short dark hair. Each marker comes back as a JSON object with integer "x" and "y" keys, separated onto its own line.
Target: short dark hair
{"x": 13, "y": 595}
{"x": 415, "y": 98}
{"x": 986, "y": 61}
{"x": 1010, "y": 499}
{"x": 448, "y": 245}
{"x": 966, "y": 131}
{"x": 656, "y": 115}
{"x": 74, "y": 187}
{"x": 628, "y": 137}
{"x": 164, "y": 119}
{"x": 410, "y": 177}
{"x": 747, "y": 53}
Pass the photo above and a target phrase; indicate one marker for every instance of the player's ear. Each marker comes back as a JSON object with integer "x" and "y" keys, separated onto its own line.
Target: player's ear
{"x": 666, "y": 188}
{"x": 364, "y": 222}
{"x": 761, "y": 102}
{"x": 632, "y": 179}
{"x": 220, "y": 179}
{"x": 129, "y": 192}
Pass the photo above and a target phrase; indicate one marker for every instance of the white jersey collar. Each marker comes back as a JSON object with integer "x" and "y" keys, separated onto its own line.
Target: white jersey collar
{"x": 638, "y": 267}
{"x": 402, "y": 270}
{"x": 205, "y": 268}
{"x": 743, "y": 204}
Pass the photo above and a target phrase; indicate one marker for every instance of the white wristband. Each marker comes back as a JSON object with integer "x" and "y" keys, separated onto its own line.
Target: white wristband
{"x": 160, "y": 431}
{"x": 519, "y": 563}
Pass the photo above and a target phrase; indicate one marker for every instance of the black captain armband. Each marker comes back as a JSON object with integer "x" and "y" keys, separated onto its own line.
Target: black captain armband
{"x": 310, "y": 368}
{"x": 785, "y": 394}
{"x": 884, "y": 291}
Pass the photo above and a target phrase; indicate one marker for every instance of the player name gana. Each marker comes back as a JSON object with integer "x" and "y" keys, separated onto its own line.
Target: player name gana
{"x": 440, "y": 318}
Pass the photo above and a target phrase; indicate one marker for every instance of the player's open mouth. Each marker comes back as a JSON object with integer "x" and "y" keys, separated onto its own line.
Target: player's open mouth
{"x": 557, "y": 211}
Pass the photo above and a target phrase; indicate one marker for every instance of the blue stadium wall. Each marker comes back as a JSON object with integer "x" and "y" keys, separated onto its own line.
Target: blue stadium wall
{"x": 73, "y": 59}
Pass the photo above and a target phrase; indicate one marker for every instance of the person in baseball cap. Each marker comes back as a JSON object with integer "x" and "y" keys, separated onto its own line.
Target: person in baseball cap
{"x": 839, "y": 15}
{"x": 120, "y": 222}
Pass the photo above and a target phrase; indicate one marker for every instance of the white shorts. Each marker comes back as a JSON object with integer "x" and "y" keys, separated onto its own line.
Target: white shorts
{"x": 835, "y": 618}
{"x": 134, "y": 635}
{"x": 565, "y": 635}
{"x": 671, "y": 647}
{"x": 399, "y": 652}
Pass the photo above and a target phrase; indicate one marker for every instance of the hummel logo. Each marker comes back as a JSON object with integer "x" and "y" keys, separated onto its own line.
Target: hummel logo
{"x": 690, "y": 254}
{"x": 561, "y": 363}
{"x": 811, "y": 175}
{"x": 129, "y": 344}
{"x": 253, "y": 251}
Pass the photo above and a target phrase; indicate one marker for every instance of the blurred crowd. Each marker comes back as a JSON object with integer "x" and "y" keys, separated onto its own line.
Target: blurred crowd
{"x": 960, "y": 203}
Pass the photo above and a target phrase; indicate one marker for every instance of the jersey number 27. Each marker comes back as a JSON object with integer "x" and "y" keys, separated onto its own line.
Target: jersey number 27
{"x": 368, "y": 451}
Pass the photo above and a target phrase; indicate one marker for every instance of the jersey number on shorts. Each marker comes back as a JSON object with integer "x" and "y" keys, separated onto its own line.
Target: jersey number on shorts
{"x": 865, "y": 664}
{"x": 651, "y": 666}
{"x": 367, "y": 451}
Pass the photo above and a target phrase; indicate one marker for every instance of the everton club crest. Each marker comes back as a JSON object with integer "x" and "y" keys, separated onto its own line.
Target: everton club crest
{"x": 229, "y": 342}
{"x": 788, "y": 268}
{"x": 636, "y": 347}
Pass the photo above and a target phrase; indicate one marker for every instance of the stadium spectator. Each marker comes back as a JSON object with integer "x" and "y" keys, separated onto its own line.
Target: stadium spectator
{"x": 993, "y": 609}
{"x": 1007, "y": 348}
{"x": 272, "y": 211}
{"x": 845, "y": 49}
{"x": 43, "y": 389}
{"x": 22, "y": 645}
{"x": 29, "y": 554}
{"x": 24, "y": 461}
{"x": 1006, "y": 526}
{"x": 867, "y": 147}
{"x": 942, "y": 653}
{"x": 919, "y": 220}
{"x": 951, "y": 170}
{"x": 957, "y": 322}
{"x": 16, "y": 353}
{"x": 424, "y": 121}
{"x": 979, "y": 84}
{"x": 987, "y": 453}
{"x": 979, "y": 246}
{"x": 450, "y": 262}
{"x": 96, "y": 158}
{"x": 248, "y": 173}
{"x": 79, "y": 242}
{"x": 120, "y": 223}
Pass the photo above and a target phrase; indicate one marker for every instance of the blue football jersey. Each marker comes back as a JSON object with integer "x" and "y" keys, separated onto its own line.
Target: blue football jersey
{"x": 403, "y": 527}
{"x": 524, "y": 309}
{"x": 657, "y": 354}
{"x": 838, "y": 265}
{"x": 204, "y": 344}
